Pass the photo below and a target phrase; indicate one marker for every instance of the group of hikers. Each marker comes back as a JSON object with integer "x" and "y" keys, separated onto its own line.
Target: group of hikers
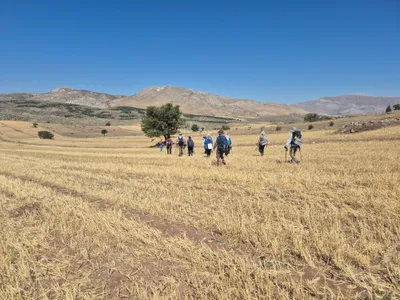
{"x": 223, "y": 145}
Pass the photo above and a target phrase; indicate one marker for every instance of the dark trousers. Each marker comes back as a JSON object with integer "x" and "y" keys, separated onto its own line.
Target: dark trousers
{"x": 169, "y": 150}
{"x": 293, "y": 150}
{"x": 261, "y": 149}
{"x": 190, "y": 151}
{"x": 208, "y": 152}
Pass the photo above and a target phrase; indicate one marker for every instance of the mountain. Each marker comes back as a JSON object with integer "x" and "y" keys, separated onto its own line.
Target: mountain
{"x": 79, "y": 97}
{"x": 348, "y": 104}
{"x": 201, "y": 103}
{"x": 66, "y": 95}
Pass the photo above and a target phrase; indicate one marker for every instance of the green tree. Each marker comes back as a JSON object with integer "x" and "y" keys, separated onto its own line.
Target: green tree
{"x": 195, "y": 127}
{"x": 310, "y": 127}
{"x": 331, "y": 123}
{"x": 35, "y": 125}
{"x": 388, "y": 109}
{"x": 396, "y": 107}
{"x": 108, "y": 124}
{"x": 225, "y": 127}
{"x": 45, "y": 135}
{"x": 311, "y": 117}
{"x": 162, "y": 121}
{"x": 104, "y": 132}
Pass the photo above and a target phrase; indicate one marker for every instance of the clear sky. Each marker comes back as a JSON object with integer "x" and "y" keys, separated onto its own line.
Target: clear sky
{"x": 282, "y": 51}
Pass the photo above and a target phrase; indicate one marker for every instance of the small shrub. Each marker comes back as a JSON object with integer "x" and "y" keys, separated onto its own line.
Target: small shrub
{"x": 310, "y": 127}
{"x": 202, "y": 129}
{"x": 48, "y": 122}
{"x": 195, "y": 127}
{"x": 331, "y": 123}
{"x": 108, "y": 124}
{"x": 225, "y": 127}
{"x": 104, "y": 132}
{"x": 45, "y": 135}
{"x": 35, "y": 125}
{"x": 388, "y": 109}
{"x": 396, "y": 107}
{"x": 278, "y": 128}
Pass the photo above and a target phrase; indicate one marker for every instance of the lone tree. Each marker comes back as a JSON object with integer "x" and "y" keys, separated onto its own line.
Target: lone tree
{"x": 311, "y": 117}
{"x": 35, "y": 125}
{"x": 195, "y": 127}
{"x": 396, "y": 107}
{"x": 45, "y": 135}
{"x": 225, "y": 127}
{"x": 388, "y": 109}
{"x": 162, "y": 121}
{"x": 108, "y": 124}
{"x": 104, "y": 132}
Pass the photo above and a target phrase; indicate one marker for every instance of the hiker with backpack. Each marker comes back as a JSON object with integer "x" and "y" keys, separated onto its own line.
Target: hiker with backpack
{"x": 169, "y": 143}
{"x": 208, "y": 145}
{"x": 229, "y": 140}
{"x": 221, "y": 144}
{"x": 262, "y": 142}
{"x": 295, "y": 142}
{"x": 161, "y": 144}
{"x": 180, "y": 142}
{"x": 190, "y": 146}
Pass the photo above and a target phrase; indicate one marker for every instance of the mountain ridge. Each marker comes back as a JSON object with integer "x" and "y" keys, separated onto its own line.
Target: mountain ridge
{"x": 204, "y": 103}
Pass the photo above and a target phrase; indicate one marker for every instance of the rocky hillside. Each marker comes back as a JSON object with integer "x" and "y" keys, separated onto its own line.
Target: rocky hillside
{"x": 348, "y": 105}
{"x": 66, "y": 95}
{"x": 202, "y": 103}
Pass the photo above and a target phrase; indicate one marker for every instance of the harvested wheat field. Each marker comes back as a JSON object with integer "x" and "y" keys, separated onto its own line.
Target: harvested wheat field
{"x": 115, "y": 219}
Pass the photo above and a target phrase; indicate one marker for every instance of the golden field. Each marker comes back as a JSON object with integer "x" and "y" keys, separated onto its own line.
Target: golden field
{"x": 111, "y": 218}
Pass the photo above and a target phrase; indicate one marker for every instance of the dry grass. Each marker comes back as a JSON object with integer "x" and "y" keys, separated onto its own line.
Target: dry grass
{"x": 87, "y": 222}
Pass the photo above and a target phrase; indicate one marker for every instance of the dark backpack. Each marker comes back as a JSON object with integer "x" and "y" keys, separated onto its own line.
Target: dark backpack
{"x": 190, "y": 143}
{"x": 180, "y": 141}
{"x": 297, "y": 138}
{"x": 222, "y": 143}
{"x": 297, "y": 134}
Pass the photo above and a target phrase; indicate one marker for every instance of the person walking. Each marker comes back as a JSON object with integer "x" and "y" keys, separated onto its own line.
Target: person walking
{"x": 180, "y": 142}
{"x": 221, "y": 145}
{"x": 229, "y": 140}
{"x": 295, "y": 142}
{"x": 208, "y": 145}
{"x": 190, "y": 146}
{"x": 262, "y": 142}
{"x": 169, "y": 143}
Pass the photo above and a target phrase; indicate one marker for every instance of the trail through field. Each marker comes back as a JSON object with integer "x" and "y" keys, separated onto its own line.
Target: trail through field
{"x": 102, "y": 223}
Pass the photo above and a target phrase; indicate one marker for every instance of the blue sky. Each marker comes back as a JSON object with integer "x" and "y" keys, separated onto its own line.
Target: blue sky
{"x": 278, "y": 51}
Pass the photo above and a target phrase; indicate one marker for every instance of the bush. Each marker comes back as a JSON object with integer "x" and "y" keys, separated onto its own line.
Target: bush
{"x": 396, "y": 107}
{"x": 35, "y": 125}
{"x": 225, "y": 127}
{"x": 331, "y": 123}
{"x": 104, "y": 132}
{"x": 195, "y": 127}
{"x": 311, "y": 117}
{"x": 108, "y": 124}
{"x": 388, "y": 109}
{"x": 45, "y": 135}
{"x": 278, "y": 128}
{"x": 310, "y": 127}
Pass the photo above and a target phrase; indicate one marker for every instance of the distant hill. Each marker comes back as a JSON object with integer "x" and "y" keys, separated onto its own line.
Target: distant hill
{"x": 348, "y": 105}
{"x": 66, "y": 95}
{"x": 202, "y": 103}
